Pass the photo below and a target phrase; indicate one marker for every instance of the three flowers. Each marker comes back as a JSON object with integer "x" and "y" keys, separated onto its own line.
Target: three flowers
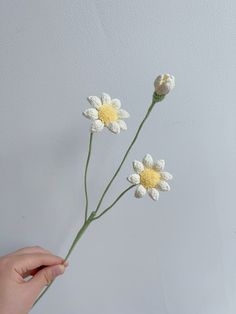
{"x": 106, "y": 112}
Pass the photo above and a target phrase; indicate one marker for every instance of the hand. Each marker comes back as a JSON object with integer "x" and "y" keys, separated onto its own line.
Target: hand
{"x": 18, "y": 295}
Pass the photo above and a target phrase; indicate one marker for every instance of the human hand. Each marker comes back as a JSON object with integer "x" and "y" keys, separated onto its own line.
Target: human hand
{"x": 17, "y": 295}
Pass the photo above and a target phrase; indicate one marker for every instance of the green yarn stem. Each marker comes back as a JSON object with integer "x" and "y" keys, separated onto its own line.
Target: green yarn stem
{"x": 80, "y": 233}
{"x": 85, "y": 176}
{"x": 41, "y": 295}
{"x": 116, "y": 200}
{"x": 156, "y": 98}
{"x": 77, "y": 238}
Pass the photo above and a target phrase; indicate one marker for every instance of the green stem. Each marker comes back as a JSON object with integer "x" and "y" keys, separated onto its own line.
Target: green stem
{"x": 85, "y": 176}
{"x": 42, "y": 294}
{"x": 116, "y": 200}
{"x": 80, "y": 233}
{"x": 156, "y": 98}
{"x": 78, "y": 236}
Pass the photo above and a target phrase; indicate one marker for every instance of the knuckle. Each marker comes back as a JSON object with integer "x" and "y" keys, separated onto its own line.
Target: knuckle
{"x": 41, "y": 249}
{"x": 37, "y": 247}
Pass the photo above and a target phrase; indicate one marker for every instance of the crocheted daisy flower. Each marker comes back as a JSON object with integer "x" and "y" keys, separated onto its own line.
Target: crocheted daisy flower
{"x": 150, "y": 177}
{"x": 106, "y": 112}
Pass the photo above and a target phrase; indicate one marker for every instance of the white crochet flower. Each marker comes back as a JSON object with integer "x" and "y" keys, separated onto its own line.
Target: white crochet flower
{"x": 150, "y": 177}
{"x": 164, "y": 83}
{"x": 106, "y": 112}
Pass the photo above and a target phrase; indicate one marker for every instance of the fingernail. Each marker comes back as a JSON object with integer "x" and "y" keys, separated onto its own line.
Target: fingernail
{"x": 59, "y": 270}
{"x": 66, "y": 263}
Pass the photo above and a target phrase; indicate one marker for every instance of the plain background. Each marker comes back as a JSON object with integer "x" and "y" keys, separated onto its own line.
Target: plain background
{"x": 175, "y": 256}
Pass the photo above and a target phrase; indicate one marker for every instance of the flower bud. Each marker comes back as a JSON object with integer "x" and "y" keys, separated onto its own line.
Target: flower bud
{"x": 164, "y": 83}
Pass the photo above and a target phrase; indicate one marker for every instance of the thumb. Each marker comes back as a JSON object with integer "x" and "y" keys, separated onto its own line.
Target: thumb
{"x": 44, "y": 277}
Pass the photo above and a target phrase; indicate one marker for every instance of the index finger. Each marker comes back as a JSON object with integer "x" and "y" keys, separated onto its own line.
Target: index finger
{"x": 27, "y": 262}
{"x": 30, "y": 250}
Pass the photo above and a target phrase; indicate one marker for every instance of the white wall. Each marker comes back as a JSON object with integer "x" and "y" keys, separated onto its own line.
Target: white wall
{"x": 176, "y": 256}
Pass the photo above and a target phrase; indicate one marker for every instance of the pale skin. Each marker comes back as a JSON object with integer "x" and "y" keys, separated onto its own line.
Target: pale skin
{"x": 23, "y": 276}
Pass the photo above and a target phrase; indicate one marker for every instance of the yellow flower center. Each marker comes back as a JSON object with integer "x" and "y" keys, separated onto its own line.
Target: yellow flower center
{"x": 149, "y": 178}
{"x": 107, "y": 114}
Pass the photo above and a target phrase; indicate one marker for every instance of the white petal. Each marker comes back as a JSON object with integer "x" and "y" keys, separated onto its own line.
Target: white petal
{"x": 106, "y": 99}
{"x": 91, "y": 113}
{"x": 159, "y": 165}
{"x": 154, "y": 194}
{"x": 166, "y": 175}
{"x": 114, "y": 127}
{"x": 134, "y": 178}
{"x": 140, "y": 191}
{"x": 97, "y": 126}
{"x": 122, "y": 124}
{"x": 138, "y": 166}
{"x": 148, "y": 161}
{"x": 123, "y": 114}
{"x": 95, "y": 101}
{"x": 116, "y": 103}
{"x": 164, "y": 186}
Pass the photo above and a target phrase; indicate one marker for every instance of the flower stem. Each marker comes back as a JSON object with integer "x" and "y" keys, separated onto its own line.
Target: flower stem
{"x": 85, "y": 176}
{"x": 156, "y": 98}
{"x": 41, "y": 295}
{"x": 80, "y": 233}
{"x": 78, "y": 236}
{"x": 116, "y": 200}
